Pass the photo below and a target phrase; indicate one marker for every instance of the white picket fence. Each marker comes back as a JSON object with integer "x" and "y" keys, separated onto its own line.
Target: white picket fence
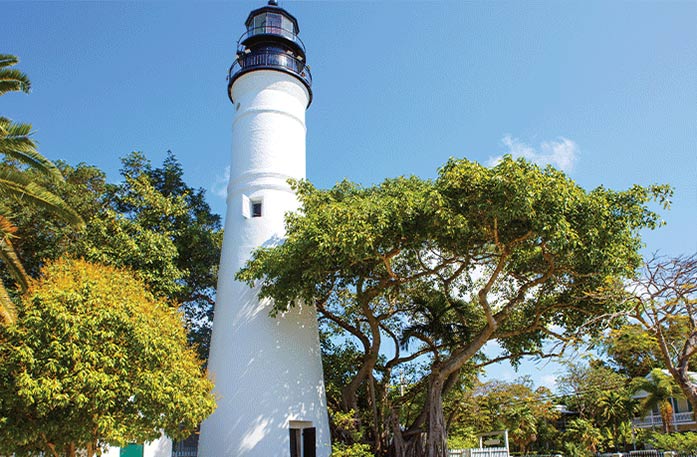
{"x": 479, "y": 452}
{"x": 652, "y": 453}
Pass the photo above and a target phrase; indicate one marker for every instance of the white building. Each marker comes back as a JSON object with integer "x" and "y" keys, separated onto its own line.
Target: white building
{"x": 683, "y": 415}
{"x": 267, "y": 371}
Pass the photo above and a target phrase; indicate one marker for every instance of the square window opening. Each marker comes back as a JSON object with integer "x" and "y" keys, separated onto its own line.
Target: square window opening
{"x": 256, "y": 209}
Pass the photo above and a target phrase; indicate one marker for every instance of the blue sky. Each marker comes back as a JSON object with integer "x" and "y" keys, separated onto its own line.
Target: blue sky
{"x": 606, "y": 90}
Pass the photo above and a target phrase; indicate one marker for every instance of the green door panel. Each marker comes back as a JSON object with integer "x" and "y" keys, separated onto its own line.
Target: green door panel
{"x": 132, "y": 450}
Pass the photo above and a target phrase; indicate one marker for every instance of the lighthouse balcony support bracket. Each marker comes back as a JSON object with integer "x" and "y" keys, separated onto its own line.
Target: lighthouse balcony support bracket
{"x": 270, "y": 60}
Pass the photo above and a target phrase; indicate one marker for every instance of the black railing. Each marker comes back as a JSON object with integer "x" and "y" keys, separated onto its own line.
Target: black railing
{"x": 271, "y": 30}
{"x": 270, "y": 59}
{"x": 185, "y": 452}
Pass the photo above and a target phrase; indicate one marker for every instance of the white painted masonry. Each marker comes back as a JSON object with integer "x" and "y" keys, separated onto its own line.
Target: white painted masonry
{"x": 267, "y": 371}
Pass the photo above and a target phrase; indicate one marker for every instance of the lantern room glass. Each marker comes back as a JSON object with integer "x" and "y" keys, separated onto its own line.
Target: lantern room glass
{"x": 272, "y": 23}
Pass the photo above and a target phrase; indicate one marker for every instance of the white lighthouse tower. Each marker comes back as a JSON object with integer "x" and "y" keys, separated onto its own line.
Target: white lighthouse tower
{"x": 267, "y": 371}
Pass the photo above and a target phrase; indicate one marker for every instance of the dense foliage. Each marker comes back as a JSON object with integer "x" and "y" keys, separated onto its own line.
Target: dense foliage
{"x": 95, "y": 359}
{"x": 436, "y": 269}
{"x": 678, "y": 442}
{"x": 528, "y": 414}
{"x": 152, "y": 223}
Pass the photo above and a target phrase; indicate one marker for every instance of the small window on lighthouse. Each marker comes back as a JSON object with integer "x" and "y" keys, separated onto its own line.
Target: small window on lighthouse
{"x": 251, "y": 207}
{"x": 256, "y": 209}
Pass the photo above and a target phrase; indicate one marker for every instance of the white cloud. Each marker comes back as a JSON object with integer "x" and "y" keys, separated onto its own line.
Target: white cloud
{"x": 549, "y": 381}
{"x": 219, "y": 185}
{"x": 561, "y": 153}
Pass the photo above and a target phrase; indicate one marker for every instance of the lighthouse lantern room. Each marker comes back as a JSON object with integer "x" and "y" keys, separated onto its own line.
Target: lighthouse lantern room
{"x": 272, "y": 42}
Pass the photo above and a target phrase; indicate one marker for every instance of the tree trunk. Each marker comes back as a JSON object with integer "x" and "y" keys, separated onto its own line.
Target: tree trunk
{"x": 371, "y": 352}
{"x": 690, "y": 391}
{"x": 434, "y": 442}
{"x": 437, "y": 442}
{"x": 666, "y": 415}
{"x": 52, "y": 448}
{"x": 680, "y": 371}
{"x": 70, "y": 450}
{"x": 374, "y": 407}
{"x": 686, "y": 383}
{"x": 398, "y": 445}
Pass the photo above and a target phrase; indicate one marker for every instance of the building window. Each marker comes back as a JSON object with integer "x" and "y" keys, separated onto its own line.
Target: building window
{"x": 256, "y": 209}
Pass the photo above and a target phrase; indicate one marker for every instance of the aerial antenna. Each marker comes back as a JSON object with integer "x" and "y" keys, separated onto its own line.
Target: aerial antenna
{"x": 273, "y": 2}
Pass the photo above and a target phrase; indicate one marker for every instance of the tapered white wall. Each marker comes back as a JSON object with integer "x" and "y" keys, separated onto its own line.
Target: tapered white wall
{"x": 267, "y": 371}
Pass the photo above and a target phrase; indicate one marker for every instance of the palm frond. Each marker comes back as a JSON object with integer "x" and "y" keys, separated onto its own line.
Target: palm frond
{"x": 17, "y": 185}
{"x": 19, "y": 129}
{"x": 8, "y": 312}
{"x": 7, "y": 228}
{"x": 11, "y": 79}
{"x": 15, "y": 143}
{"x": 8, "y": 60}
{"x": 8, "y": 255}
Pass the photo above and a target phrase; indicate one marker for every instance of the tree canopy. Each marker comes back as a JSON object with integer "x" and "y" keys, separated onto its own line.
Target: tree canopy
{"x": 439, "y": 268}
{"x": 151, "y": 222}
{"x": 95, "y": 359}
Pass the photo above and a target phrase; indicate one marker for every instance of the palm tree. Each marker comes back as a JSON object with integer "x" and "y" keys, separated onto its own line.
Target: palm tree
{"x": 615, "y": 409}
{"x": 17, "y": 146}
{"x": 584, "y": 434}
{"x": 524, "y": 430}
{"x": 660, "y": 389}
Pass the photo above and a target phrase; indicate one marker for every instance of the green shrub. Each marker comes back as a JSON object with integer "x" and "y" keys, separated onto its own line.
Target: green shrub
{"x": 574, "y": 450}
{"x": 463, "y": 438}
{"x": 352, "y": 450}
{"x": 679, "y": 442}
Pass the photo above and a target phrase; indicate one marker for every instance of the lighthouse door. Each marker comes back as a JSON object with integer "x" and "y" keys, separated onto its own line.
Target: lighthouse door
{"x": 303, "y": 441}
{"x": 309, "y": 444}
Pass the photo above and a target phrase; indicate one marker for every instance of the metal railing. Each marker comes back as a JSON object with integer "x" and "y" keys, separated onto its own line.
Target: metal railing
{"x": 684, "y": 418}
{"x": 270, "y": 30}
{"x": 655, "y": 420}
{"x": 185, "y": 452}
{"x": 271, "y": 59}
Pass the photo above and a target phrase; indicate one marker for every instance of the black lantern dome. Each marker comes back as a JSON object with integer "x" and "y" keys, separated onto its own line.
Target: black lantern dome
{"x": 271, "y": 42}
